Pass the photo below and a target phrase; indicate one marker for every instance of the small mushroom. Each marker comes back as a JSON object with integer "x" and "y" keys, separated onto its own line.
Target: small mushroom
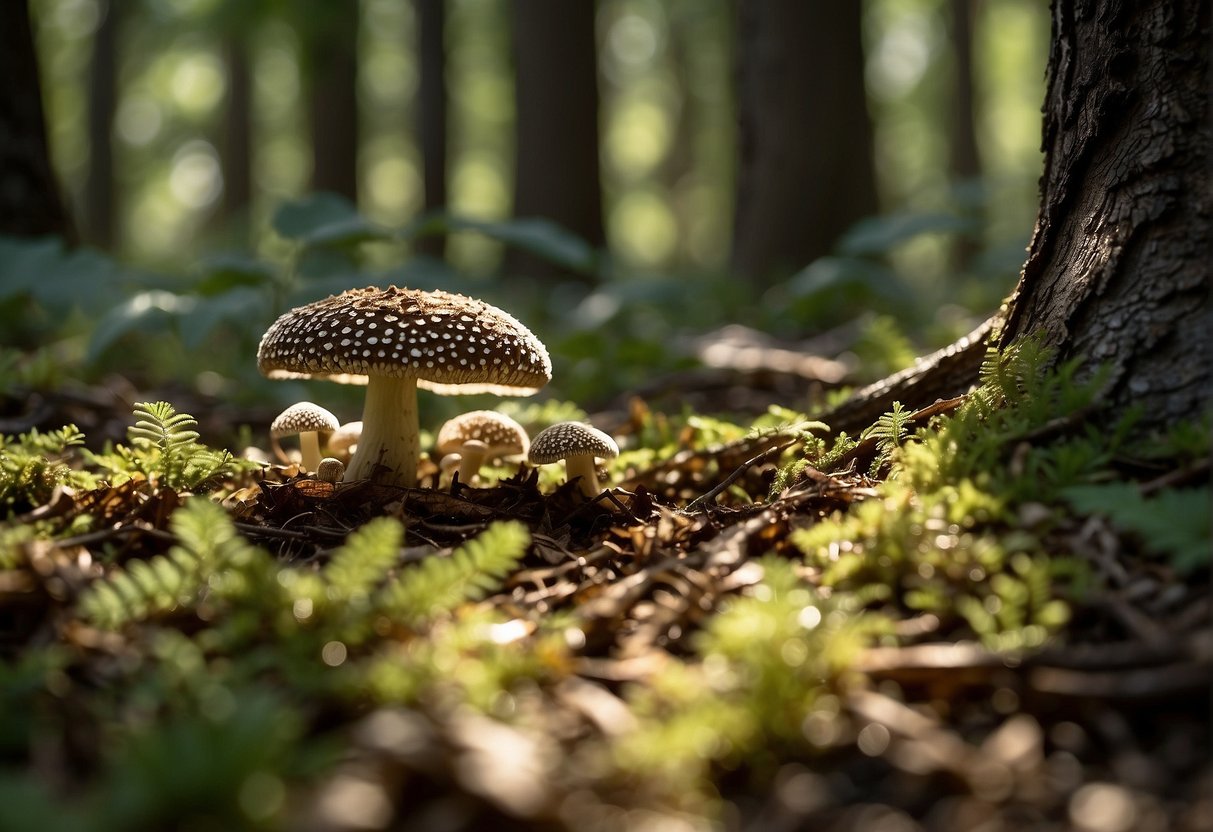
{"x": 395, "y": 340}
{"x": 344, "y": 441}
{"x": 448, "y": 465}
{"x": 480, "y": 436}
{"x": 306, "y": 419}
{"x": 330, "y": 469}
{"x": 578, "y": 445}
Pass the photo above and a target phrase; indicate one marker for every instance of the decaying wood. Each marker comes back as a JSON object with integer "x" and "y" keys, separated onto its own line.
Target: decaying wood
{"x": 944, "y": 374}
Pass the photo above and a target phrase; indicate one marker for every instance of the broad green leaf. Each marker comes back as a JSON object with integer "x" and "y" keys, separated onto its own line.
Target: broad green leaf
{"x": 57, "y": 278}
{"x": 1174, "y": 524}
{"x": 224, "y": 272}
{"x": 243, "y": 311}
{"x": 847, "y": 278}
{"x": 880, "y": 235}
{"x": 539, "y": 236}
{"x": 149, "y": 311}
{"x": 325, "y": 219}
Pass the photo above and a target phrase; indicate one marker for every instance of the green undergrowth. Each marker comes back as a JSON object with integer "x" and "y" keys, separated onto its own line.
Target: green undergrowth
{"x": 215, "y": 678}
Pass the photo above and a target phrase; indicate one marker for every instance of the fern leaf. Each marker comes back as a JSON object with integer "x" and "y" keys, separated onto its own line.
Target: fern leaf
{"x": 207, "y": 544}
{"x": 364, "y": 560}
{"x": 160, "y": 425}
{"x": 440, "y": 584}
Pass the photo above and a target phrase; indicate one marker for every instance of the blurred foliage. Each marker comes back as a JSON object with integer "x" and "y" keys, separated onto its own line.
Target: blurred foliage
{"x": 1174, "y": 524}
{"x": 32, "y": 464}
{"x": 605, "y": 339}
{"x": 226, "y": 670}
{"x": 214, "y": 280}
{"x": 668, "y": 117}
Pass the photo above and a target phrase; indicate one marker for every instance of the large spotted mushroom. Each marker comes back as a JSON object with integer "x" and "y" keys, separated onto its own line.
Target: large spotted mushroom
{"x": 395, "y": 340}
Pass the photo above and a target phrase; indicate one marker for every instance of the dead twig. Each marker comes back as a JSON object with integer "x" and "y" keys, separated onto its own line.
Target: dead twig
{"x": 701, "y": 501}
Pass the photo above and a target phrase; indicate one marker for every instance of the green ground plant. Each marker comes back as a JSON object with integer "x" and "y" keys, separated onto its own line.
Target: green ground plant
{"x": 223, "y": 676}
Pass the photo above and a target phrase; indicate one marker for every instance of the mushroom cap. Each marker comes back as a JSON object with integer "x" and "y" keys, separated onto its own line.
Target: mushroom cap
{"x": 450, "y": 343}
{"x": 303, "y": 417}
{"x": 330, "y": 470}
{"x": 565, "y": 439}
{"x": 346, "y": 436}
{"x": 499, "y": 432}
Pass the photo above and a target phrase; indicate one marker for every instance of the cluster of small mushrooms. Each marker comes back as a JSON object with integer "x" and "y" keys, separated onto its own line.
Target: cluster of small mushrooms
{"x": 395, "y": 340}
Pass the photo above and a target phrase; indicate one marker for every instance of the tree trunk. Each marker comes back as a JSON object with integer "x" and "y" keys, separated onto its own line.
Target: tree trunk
{"x": 99, "y": 202}
{"x": 805, "y": 170}
{"x": 334, "y": 98}
{"x": 556, "y": 150}
{"x": 964, "y": 160}
{"x": 30, "y": 203}
{"x": 236, "y": 150}
{"x": 1118, "y": 268}
{"x": 431, "y": 112}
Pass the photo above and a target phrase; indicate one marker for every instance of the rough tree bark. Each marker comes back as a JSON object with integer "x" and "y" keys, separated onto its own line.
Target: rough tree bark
{"x": 432, "y": 112}
{"x": 556, "y": 124}
{"x": 805, "y": 169}
{"x": 1118, "y": 269}
{"x": 30, "y": 203}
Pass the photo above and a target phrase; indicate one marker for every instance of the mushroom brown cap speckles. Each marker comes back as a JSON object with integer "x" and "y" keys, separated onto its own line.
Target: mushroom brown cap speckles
{"x": 567, "y": 439}
{"x": 503, "y": 435}
{"x": 303, "y": 417}
{"x": 449, "y": 342}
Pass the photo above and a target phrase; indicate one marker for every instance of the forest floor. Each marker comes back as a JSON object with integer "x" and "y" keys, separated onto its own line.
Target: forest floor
{"x": 625, "y": 704}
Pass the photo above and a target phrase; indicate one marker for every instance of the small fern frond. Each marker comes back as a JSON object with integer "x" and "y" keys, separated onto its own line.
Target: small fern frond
{"x": 207, "y": 544}
{"x": 161, "y": 426}
{"x": 889, "y": 432}
{"x": 440, "y": 584}
{"x": 364, "y": 559}
{"x": 164, "y": 446}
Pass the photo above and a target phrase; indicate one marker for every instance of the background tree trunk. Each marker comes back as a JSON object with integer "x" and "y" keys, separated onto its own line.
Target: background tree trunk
{"x": 805, "y": 170}
{"x": 964, "y": 160}
{"x": 30, "y": 203}
{"x": 1118, "y": 268}
{"x": 333, "y": 73}
{"x": 236, "y": 149}
{"x": 432, "y": 112}
{"x": 557, "y": 144}
{"x": 100, "y": 213}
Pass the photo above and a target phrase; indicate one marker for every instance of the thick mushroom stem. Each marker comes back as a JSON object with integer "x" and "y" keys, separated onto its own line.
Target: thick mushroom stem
{"x": 389, "y": 447}
{"x": 582, "y": 465}
{"x": 309, "y": 447}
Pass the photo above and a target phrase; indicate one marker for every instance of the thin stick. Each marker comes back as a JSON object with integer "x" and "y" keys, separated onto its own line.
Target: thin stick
{"x": 702, "y": 500}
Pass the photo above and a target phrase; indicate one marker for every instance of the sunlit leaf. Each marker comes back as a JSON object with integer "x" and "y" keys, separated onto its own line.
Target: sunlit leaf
{"x": 148, "y": 312}
{"x": 325, "y": 219}
{"x": 236, "y": 310}
{"x": 538, "y": 236}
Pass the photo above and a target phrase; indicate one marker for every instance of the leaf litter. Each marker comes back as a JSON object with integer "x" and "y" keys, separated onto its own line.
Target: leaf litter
{"x": 932, "y": 730}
